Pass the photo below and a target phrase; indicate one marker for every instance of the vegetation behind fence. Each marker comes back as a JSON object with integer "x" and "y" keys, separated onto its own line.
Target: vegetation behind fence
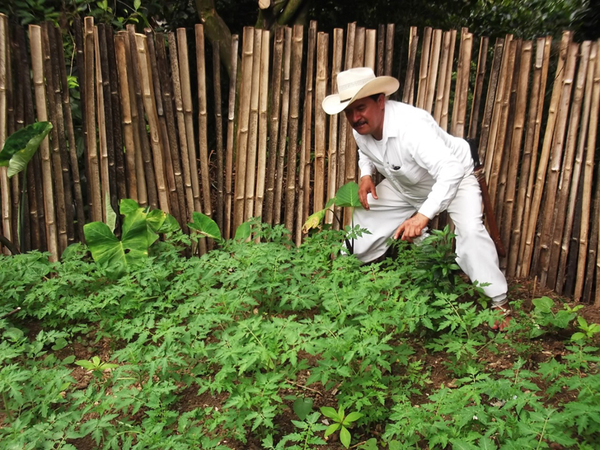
{"x": 141, "y": 116}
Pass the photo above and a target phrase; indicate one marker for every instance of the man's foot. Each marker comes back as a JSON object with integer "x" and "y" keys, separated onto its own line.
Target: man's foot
{"x": 505, "y": 315}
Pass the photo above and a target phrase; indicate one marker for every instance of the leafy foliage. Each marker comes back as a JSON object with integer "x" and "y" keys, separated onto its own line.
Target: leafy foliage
{"x": 21, "y": 145}
{"x": 259, "y": 342}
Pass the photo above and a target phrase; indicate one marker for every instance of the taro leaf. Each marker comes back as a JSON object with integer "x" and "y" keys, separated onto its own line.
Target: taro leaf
{"x": 313, "y": 221}
{"x": 543, "y": 304}
{"x": 205, "y": 226}
{"x": 117, "y": 256}
{"x": 20, "y": 146}
{"x": 160, "y": 222}
{"x": 127, "y": 206}
{"x": 243, "y": 232}
{"x": 302, "y": 407}
{"x": 347, "y": 195}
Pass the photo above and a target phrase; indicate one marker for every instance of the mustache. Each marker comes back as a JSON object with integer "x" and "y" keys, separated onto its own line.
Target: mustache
{"x": 358, "y": 123}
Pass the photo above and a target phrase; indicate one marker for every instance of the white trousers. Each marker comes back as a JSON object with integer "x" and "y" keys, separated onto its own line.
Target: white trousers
{"x": 476, "y": 253}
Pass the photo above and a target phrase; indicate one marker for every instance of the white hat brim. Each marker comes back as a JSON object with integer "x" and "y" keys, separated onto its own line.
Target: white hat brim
{"x": 380, "y": 85}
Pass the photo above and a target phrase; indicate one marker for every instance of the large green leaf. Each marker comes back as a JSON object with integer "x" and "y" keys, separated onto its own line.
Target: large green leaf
{"x": 20, "y": 146}
{"x": 205, "y": 226}
{"x": 347, "y": 195}
{"x": 117, "y": 256}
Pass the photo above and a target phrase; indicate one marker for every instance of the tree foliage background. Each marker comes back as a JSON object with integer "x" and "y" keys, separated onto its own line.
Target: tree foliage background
{"x": 523, "y": 18}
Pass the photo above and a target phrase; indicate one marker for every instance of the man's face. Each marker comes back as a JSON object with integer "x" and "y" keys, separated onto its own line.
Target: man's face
{"x": 365, "y": 115}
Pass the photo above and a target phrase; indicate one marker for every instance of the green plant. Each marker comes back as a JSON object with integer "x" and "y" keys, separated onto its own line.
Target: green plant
{"x": 544, "y": 316}
{"x": 141, "y": 228}
{"x": 341, "y": 423}
{"x": 587, "y": 330}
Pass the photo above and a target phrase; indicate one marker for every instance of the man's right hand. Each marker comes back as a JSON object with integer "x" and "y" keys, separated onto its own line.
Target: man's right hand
{"x": 365, "y": 188}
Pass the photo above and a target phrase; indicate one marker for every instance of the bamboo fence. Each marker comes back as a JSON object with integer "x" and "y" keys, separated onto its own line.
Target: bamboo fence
{"x": 160, "y": 124}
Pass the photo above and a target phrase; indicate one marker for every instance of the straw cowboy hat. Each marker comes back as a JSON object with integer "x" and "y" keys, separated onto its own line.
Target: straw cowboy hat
{"x": 357, "y": 83}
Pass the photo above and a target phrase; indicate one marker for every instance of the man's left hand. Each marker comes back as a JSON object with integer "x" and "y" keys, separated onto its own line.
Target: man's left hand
{"x": 411, "y": 228}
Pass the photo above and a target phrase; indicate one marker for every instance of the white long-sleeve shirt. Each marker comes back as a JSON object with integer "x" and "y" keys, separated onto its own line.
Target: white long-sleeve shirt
{"x": 420, "y": 159}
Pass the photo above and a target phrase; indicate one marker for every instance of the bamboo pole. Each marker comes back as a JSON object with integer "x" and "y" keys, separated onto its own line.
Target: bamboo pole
{"x": 18, "y": 99}
{"x": 117, "y": 132}
{"x": 542, "y": 252}
{"x": 577, "y": 169}
{"x": 587, "y": 185}
{"x": 306, "y": 144}
{"x": 220, "y": 208}
{"x": 332, "y": 160}
{"x": 202, "y": 120}
{"x": 390, "y": 30}
{"x": 370, "y": 49}
{"x": 409, "y": 81}
{"x": 35, "y": 38}
{"x": 107, "y": 114}
{"x": 447, "y": 85}
{"x": 436, "y": 46}
{"x": 478, "y": 90}
{"x": 283, "y": 133}
{"x": 535, "y": 130}
{"x": 188, "y": 111}
{"x": 184, "y": 156}
{"x": 55, "y": 151}
{"x": 593, "y": 264}
{"x": 102, "y": 133}
{"x": 251, "y": 152}
{"x": 489, "y": 101}
{"x": 163, "y": 134}
{"x": 139, "y": 166}
{"x": 545, "y": 154}
{"x": 18, "y": 208}
{"x": 151, "y": 178}
{"x": 34, "y": 169}
{"x": 156, "y": 145}
{"x": 567, "y": 166}
{"x": 243, "y": 126}
{"x": 230, "y": 135}
{"x": 379, "y": 63}
{"x": 6, "y": 228}
{"x": 95, "y": 198}
{"x": 320, "y": 122}
{"x": 59, "y": 149}
{"x": 345, "y": 133}
{"x": 505, "y": 129}
{"x": 72, "y": 146}
{"x": 351, "y": 154}
{"x": 263, "y": 110}
{"x": 526, "y": 161}
{"x": 499, "y": 116}
{"x": 423, "y": 68}
{"x": 463, "y": 70}
{"x": 442, "y": 77}
{"x": 522, "y": 81}
{"x": 290, "y": 197}
{"x": 185, "y": 215}
{"x": 274, "y": 120}
{"x": 127, "y": 121}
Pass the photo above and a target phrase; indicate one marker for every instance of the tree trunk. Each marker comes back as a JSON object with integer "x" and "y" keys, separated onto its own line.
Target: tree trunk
{"x": 215, "y": 30}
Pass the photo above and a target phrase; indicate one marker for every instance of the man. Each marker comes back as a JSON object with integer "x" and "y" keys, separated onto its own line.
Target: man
{"x": 426, "y": 171}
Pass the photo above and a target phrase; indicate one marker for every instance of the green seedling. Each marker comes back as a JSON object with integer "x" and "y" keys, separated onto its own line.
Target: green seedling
{"x": 587, "y": 330}
{"x": 95, "y": 365}
{"x": 341, "y": 423}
